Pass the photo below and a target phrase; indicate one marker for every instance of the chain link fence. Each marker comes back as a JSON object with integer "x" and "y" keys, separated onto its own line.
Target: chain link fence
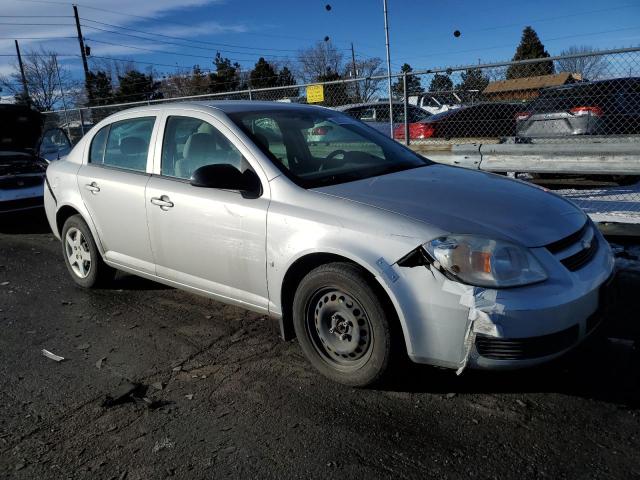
{"x": 580, "y": 100}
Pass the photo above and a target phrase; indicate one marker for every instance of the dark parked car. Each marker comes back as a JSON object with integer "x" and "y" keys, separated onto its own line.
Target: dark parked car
{"x": 376, "y": 114}
{"x": 474, "y": 121}
{"x": 24, "y": 155}
{"x": 606, "y": 107}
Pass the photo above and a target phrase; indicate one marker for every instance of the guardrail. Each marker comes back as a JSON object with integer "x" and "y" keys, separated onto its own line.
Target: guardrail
{"x": 621, "y": 158}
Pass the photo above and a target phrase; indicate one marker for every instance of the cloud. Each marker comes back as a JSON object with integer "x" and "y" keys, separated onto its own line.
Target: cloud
{"x": 51, "y": 26}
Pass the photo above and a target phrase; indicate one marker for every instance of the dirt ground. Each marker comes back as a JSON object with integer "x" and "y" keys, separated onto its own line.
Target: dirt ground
{"x": 215, "y": 393}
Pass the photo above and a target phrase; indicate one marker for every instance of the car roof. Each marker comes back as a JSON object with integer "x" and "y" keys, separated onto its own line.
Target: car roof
{"x": 367, "y": 104}
{"x": 590, "y": 84}
{"x": 226, "y": 106}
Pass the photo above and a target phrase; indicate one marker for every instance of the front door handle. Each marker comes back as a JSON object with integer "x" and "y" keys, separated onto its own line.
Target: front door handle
{"x": 92, "y": 187}
{"x": 163, "y": 202}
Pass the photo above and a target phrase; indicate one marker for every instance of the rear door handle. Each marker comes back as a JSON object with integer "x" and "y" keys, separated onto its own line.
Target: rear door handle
{"x": 92, "y": 187}
{"x": 163, "y": 202}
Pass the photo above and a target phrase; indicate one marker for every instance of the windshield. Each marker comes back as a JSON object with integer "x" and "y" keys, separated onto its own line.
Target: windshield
{"x": 315, "y": 147}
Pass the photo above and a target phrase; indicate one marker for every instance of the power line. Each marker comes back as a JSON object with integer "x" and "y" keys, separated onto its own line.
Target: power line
{"x": 557, "y": 17}
{"x": 179, "y": 44}
{"x": 36, "y": 16}
{"x": 184, "y": 39}
{"x": 34, "y": 38}
{"x": 547, "y": 40}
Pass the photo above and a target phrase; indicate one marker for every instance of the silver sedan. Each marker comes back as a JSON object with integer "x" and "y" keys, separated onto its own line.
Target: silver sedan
{"x": 363, "y": 250}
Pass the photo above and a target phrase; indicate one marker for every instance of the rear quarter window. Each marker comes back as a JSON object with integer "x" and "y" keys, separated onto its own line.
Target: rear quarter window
{"x": 96, "y": 151}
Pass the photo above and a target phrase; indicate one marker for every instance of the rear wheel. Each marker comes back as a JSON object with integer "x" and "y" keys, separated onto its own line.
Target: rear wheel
{"x": 81, "y": 254}
{"x": 342, "y": 326}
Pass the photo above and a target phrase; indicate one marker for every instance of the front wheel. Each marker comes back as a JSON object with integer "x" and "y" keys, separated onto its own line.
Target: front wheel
{"x": 343, "y": 328}
{"x": 81, "y": 254}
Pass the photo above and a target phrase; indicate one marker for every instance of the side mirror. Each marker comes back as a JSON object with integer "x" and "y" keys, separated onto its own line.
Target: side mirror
{"x": 227, "y": 177}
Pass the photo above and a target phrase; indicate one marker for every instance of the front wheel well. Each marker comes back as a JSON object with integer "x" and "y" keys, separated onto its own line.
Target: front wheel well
{"x": 300, "y": 269}
{"x": 62, "y": 215}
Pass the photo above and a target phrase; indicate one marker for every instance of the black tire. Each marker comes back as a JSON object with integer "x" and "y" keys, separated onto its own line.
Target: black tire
{"x": 371, "y": 339}
{"x": 97, "y": 272}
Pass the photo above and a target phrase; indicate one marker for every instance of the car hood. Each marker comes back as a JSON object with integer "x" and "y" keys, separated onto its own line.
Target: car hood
{"x": 20, "y": 128}
{"x": 460, "y": 201}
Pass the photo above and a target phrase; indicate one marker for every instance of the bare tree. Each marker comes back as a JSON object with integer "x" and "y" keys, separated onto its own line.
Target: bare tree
{"x": 365, "y": 69}
{"x": 41, "y": 71}
{"x": 320, "y": 60}
{"x": 185, "y": 83}
{"x": 592, "y": 67}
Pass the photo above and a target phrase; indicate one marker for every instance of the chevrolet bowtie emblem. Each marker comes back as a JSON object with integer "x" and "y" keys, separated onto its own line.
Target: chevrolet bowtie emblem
{"x": 586, "y": 244}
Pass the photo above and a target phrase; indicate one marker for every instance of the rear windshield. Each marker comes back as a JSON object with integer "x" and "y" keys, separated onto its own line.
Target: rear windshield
{"x": 567, "y": 98}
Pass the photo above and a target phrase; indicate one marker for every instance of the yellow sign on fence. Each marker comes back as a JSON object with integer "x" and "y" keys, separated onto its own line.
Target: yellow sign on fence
{"x": 315, "y": 93}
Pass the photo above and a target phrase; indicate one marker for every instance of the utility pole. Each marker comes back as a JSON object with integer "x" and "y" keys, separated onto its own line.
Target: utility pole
{"x": 355, "y": 72}
{"x": 25, "y": 88}
{"x": 386, "y": 34}
{"x": 64, "y": 101}
{"x": 83, "y": 52}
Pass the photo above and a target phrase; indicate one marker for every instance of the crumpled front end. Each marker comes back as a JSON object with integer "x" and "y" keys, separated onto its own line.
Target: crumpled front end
{"x": 455, "y": 325}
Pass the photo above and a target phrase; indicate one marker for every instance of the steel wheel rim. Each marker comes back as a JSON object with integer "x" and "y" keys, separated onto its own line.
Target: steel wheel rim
{"x": 78, "y": 253}
{"x": 339, "y": 329}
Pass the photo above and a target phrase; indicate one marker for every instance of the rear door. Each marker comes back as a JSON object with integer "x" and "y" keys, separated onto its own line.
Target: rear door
{"x": 112, "y": 183}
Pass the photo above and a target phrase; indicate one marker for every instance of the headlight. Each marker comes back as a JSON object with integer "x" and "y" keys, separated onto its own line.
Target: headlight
{"x": 484, "y": 262}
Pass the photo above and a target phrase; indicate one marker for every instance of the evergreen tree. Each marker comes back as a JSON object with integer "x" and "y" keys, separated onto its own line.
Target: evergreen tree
{"x": 335, "y": 93}
{"x": 263, "y": 75}
{"x": 199, "y": 81}
{"x": 440, "y": 83}
{"x": 227, "y": 75}
{"x": 472, "y": 84}
{"x": 286, "y": 78}
{"x": 530, "y": 47}
{"x": 99, "y": 88}
{"x": 414, "y": 87}
{"x": 135, "y": 86}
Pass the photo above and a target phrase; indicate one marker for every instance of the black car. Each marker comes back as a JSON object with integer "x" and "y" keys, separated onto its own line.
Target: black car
{"x": 605, "y": 107}
{"x": 482, "y": 120}
{"x": 22, "y": 151}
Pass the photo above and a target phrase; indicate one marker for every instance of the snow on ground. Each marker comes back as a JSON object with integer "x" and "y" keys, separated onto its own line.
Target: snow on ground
{"x": 607, "y": 204}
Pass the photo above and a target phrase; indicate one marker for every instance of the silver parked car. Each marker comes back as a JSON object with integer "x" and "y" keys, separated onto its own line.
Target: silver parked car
{"x": 366, "y": 252}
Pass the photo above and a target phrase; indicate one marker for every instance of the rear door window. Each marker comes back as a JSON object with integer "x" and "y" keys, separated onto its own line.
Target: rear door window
{"x": 127, "y": 144}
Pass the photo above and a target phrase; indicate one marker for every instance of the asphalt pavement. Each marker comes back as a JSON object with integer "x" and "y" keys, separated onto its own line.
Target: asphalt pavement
{"x": 159, "y": 383}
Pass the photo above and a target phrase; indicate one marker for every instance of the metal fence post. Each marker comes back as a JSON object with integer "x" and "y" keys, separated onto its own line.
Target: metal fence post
{"x": 406, "y": 109}
{"x": 81, "y": 121}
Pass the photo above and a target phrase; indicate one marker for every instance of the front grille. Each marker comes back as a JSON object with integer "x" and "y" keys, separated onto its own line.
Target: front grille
{"x": 21, "y": 204}
{"x": 577, "y": 249}
{"x": 525, "y": 348}
{"x": 20, "y": 182}
{"x": 577, "y": 261}
{"x": 566, "y": 242}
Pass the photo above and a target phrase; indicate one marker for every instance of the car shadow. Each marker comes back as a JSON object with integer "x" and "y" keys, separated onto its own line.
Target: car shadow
{"x": 27, "y": 222}
{"x": 605, "y": 367}
{"x": 126, "y": 281}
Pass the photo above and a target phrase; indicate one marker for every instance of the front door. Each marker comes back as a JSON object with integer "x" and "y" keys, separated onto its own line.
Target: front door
{"x": 208, "y": 239}
{"x": 112, "y": 184}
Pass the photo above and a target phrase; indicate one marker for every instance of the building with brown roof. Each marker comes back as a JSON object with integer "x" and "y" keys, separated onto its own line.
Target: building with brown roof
{"x": 527, "y": 88}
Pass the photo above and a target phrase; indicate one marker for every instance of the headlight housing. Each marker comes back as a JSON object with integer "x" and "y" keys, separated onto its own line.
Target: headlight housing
{"x": 484, "y": 262}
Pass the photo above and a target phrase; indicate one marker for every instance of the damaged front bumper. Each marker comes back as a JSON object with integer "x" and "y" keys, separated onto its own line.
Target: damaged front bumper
{"x": 454, "y": 325}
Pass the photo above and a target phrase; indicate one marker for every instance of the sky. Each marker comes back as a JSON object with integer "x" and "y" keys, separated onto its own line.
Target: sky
{"x": 181, "y": 33}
